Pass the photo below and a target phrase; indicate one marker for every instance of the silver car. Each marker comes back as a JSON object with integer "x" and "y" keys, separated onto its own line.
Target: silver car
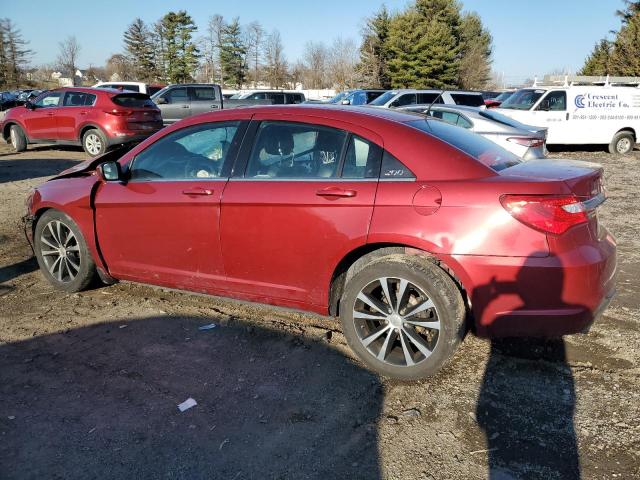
{"x": 526, "y": 141}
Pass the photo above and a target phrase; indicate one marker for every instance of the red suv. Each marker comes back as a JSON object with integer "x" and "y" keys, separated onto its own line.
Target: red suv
{"x": 398, "y": 224}
{"x": 94, "y": 118}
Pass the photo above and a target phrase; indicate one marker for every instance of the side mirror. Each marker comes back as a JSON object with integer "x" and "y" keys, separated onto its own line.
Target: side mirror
{"x": 110, "y": 171}
{"x": 162, "y": 101}
{"x": 29, "y": 105}
{"x": 346, "y": 102}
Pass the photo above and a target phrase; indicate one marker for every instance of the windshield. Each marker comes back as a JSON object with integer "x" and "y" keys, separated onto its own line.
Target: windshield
{"x": 384, "y": 98}
{"x": 339, "y": 97}
{"x": 522, "y": 99}
{"x": 503, "y": 96}
{"x": 474, "y": 145}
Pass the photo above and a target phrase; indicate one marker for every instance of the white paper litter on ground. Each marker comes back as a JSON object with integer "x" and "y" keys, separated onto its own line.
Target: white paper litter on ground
{"x": 209, "y": 326}
{"x": 187, "y": 404}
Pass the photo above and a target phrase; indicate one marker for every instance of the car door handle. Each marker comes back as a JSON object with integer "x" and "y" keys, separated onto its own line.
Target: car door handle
{"x": 336, "y": 192}
{"x": 214, "y": 106}
{"x": 185, "y": 106}
{"x": 197, "y": 191}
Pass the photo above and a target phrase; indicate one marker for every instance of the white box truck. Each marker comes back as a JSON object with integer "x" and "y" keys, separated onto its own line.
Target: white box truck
{"x": 581, "y": 110}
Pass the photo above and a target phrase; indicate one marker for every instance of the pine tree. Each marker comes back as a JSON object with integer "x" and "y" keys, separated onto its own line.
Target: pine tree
{"x": 625, "y": 59}
{"x": 424, "y": 49}
{"x": 180, "y": 52}
{"x": 373, "y": 68}
{"x": 140, "y": 50}
{"x": 14, "y": 55}
{"x": 233, "y": 53}
{"x": 599, "y": 62}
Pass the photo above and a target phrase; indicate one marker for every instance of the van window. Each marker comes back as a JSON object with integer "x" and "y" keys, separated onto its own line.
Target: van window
{"x": 554, "y": 102}
{"x": 406, "y": 99}
{"x": 428, "y": 98}
{"x": 468, "y": 99}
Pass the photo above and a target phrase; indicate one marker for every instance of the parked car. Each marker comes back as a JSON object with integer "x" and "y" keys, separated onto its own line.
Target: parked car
{"x": 140, "y": 87}
{"x": 7, "y": 101}
{"x": 396, "y": 224}
{"x": 184, "y": 100}
{"x": 404, "y": 97}
{"x": 277, "y": 97}
{"x": 581, "y": 114}
{"x": 356, "y": 97}
{"x": 27, "y": 95}
{"x": 94, "y": 118}
{"x": 526, "y": 141}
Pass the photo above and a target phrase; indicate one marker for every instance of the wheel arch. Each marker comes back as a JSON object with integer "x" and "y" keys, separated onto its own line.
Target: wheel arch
{"x": 357, "y": 258}
{"x": 7, "y": 128}
{"x": 86, "y": 127}
{"x": 631, "y": 130}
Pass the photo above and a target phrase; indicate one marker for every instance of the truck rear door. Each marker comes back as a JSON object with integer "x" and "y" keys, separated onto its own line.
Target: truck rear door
{"x": 203, "y": 99}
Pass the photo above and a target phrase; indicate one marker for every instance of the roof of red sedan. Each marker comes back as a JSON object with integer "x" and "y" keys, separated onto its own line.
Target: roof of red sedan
{"x": 339, "y": 110}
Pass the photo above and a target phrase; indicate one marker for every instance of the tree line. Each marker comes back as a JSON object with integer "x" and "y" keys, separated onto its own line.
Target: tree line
{"x": 620, "y": 56}
{"x": 430, "y": 43}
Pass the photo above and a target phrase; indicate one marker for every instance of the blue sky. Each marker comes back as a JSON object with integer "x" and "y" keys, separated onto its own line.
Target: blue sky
{"x": 530, "y": 37}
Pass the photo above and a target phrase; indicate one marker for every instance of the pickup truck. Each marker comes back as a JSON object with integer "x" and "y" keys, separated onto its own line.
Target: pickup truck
{"x": 183, "y": 100}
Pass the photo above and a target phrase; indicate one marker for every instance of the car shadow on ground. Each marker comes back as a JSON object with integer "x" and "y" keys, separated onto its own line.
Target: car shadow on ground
{"x": 101, "y": 402}
{"x": 527, "y": 398}
{"x": 26, "y": 168}
{"x": 9, "y": 272}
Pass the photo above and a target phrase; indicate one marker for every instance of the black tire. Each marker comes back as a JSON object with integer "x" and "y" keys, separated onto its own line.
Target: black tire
{"x": 67, "y": 277}
{"x": 622, "y": 143}
{"x": 449, "y": 309}
{"x": 17, "y": 138}
{"x": 94, "y": 142}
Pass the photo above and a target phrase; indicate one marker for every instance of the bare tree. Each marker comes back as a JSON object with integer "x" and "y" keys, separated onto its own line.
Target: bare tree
{"x": 119, "y": 68}
{"x": 255, "y": 39}
{"x": 315, "y": 62}
{"x": 276, "y": 63}
{"x": 68, "y": 56}
{"x": 211, "y": 50}
{"x": 342, "y": 63}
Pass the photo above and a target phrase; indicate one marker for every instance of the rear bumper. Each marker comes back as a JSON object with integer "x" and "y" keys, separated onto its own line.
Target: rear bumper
{"x": 128, "y": 137}
{"x": 541, "y": 296}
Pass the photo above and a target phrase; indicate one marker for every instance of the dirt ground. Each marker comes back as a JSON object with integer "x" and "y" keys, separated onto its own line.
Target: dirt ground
{"x": 90, "y": 382}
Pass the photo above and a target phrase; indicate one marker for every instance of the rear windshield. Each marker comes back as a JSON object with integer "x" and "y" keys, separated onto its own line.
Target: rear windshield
{"x": 522, "y": 99}
{"x": 134, "y": 100}
{"x": 468, "y": 99}
{"x": 474, "y": 145}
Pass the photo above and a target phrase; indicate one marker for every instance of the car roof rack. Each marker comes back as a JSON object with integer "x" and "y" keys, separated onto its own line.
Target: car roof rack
{"x": 596, "y": 80}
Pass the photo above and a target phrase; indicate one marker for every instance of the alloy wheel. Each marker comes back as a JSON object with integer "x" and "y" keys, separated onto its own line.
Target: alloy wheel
{"x": 93, "y": 143}
{"x": 14, "y": 140}
{"x": 60, "y": 251}
{"x": 396, "y": 321}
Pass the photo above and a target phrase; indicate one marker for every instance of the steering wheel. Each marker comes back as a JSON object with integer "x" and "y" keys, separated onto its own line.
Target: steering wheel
{"x": 200, "y": 167}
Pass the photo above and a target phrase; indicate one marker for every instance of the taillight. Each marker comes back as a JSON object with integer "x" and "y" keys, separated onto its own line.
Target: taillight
{"x": 119, "y": 113}
{"x": 546, "y": 213}
{"x": 527, "y": 141}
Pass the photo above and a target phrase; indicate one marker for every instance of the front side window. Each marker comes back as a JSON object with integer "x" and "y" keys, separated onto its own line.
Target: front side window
{"x": 522, "y": 99}
{"x": 277, "y": 98}
{"x": 407, "y": 99}
{"x": 177, "y": 95}
{"x": 51, "y": 99}
{"x": 258, "y": 96}
{"x": 197, "y": 152}
{"x": 554, "y": 102}
{"x": 295, "y": 150}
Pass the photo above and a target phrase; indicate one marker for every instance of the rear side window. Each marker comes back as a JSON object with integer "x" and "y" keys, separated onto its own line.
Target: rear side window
{"x": 371, "y": 96}
{"x": 362, "y": 159}
{"x": 476, "y": 146}
{"x": 153, "y": 90}
{"x": 428, "y": 98}
{"x": 133, "y": 100}
{"x": 468, "y": 99}
{"x": 78, "y": 99}
{"x": 202, "y": 94}
{"x": 277, "y": 98}
{"x": 392, "y": 168}
{"x": 294, "y": 98}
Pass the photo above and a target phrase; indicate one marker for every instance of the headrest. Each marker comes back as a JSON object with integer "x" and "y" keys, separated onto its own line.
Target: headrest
{"x": 277, "y": 140}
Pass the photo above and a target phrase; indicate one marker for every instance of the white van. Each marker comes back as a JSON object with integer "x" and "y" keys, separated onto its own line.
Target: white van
{"x": 589, "y": 110}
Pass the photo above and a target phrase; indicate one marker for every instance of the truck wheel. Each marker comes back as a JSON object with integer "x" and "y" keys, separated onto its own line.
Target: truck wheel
{"x": 18, "y": 140}
{"x": 94, "y": 142}
{"x": 62, "y": 252}
{"x": 622, "y": 143}
{"x": 403, "y": 316}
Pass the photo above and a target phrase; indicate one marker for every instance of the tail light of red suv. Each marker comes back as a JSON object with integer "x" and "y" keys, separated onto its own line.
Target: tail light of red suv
{"x": 553, "y": 214}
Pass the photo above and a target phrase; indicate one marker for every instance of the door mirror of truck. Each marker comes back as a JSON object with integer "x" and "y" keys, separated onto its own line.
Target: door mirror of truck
{"x": 162, "y": 101}
{"x": 346, "y": 102}
{"x": 110, "y": 171}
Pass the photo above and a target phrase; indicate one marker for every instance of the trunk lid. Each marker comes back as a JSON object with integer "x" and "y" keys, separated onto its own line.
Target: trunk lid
{"x": 583, "y": 178}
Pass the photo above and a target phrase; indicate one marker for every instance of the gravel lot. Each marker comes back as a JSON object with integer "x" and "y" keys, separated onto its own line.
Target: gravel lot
{"x": 89, "y": 382}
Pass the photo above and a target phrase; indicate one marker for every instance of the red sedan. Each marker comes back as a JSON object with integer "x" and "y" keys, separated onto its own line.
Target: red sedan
{"x": 399, "y": 225}
{"x": 94, "y": 118}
